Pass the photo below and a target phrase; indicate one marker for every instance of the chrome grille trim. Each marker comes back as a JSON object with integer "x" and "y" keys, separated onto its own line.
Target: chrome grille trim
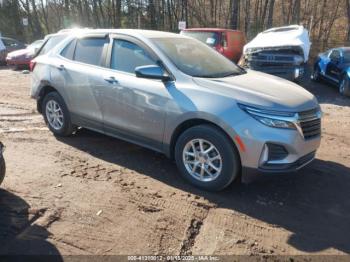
{"x": 309, "y": 123}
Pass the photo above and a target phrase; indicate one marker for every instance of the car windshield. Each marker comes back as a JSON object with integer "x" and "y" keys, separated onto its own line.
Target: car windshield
{"x": 209, "y": 38}
{"x": 196, "y": 59}
{"x": 347, "y": 56}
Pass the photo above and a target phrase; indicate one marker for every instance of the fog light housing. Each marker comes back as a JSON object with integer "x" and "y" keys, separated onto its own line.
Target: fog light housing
{"x": 272, "y": 153}
{"x": 296, "y": 73}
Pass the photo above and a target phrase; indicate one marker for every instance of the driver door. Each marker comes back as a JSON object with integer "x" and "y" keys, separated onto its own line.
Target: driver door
{"x": 333, "y": 68}
{"x": 133, "y": 108}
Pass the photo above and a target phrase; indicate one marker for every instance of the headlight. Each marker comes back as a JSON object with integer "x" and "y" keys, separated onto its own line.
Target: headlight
{"x": 298, "y": 60}
{"x": 272, "y": 118}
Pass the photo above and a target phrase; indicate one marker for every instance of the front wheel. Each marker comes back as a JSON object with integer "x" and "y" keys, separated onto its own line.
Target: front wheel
{"x": 56, "y": 115}
{"x": 344, "y": 88}
{"x": 206, "y": 158}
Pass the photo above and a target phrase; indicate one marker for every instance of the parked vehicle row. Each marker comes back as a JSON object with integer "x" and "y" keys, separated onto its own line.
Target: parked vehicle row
{"x": 175, "y": 95}
{"x": 281, "y": 51}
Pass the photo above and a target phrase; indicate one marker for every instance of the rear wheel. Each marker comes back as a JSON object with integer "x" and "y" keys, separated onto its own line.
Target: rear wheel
{"x": 316, "y": 74}
{"x": 56, "y": 115}
{"x": 206, "y": 158}
{"x": 344, "y": 88}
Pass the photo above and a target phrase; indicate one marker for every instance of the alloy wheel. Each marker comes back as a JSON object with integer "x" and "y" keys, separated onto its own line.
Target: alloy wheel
{"x": 202, "y": 160}
{"x": 54, "y": 115}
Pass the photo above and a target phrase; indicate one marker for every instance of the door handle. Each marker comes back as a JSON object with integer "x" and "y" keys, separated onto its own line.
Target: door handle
{"x": 111, "y": 80}
{"x": 61, "y": 67}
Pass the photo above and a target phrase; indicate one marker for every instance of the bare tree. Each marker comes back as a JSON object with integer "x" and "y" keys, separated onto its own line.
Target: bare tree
{"x": 348, "y": 17}
{"x": 235, "y": 4}
{"x": 270, "y": 17}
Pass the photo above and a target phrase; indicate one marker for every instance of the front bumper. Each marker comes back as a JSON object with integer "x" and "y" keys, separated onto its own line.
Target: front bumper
{"x": 287, "y": 72}
{"x": 255, "y": 136}
{"x": 251, "y": 174}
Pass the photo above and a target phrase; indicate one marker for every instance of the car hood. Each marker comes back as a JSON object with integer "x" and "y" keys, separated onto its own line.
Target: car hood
{"x": 346, "y": 66}
{"x": 20, "y": 52}
{"x": 262, "y": 90}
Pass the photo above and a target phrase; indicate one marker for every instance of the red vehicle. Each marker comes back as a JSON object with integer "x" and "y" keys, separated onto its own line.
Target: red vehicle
{"x": 228, "y": 42}
{"x": 21, "y": 58}
{"x": 8, "y": 45}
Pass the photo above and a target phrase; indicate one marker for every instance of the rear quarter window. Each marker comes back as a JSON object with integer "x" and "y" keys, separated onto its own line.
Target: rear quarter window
{"x": 89, "y": 50}
{"x": 51, "y": 43}
{"x": 68, "y": 51}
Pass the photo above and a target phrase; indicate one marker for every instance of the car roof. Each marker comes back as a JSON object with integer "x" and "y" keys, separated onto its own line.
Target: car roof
{"x": 132, "y": 32}
{"x": 345, "y": 48}
{"x": 208, "y": 29}
{"x": 8, "y": 38}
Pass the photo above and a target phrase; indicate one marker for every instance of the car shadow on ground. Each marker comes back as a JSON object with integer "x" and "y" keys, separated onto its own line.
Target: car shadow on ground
{"x": 313, "y": 204}
{"x": 19, "y": 237}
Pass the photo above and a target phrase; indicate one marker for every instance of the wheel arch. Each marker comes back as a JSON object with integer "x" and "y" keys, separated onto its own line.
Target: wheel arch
{"x": 43, "y": 92}
{"x": 189, "y": 123}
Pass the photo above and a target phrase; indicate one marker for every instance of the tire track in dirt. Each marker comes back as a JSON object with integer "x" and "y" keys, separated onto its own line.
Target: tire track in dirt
{"x": 16, "y": 118}
{"x": 176, "y": 216}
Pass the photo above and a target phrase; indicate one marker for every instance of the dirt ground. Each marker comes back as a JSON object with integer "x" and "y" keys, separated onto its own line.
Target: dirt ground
{"x": 92, "y": 194}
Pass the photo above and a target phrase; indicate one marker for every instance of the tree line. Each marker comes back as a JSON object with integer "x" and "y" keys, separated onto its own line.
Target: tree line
{"x": 327, "y": 21}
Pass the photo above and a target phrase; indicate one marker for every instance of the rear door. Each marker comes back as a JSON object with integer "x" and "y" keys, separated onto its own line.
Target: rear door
{"x": 79, "y": 70}
{"x": 333, "y": 70}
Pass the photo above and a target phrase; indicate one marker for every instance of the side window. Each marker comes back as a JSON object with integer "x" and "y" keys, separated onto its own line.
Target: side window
{"x": 224, "y": 39}
{"x": 9, "y": 43}
{"x": 126, "y": 56}
{"x": 335, "y": 55}
{"x": 89, "y": 50}
{"x": 51, "y": 43}
{"x": 68, "y": 51}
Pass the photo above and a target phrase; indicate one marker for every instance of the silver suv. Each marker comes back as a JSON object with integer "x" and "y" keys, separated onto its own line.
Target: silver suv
{"x": 175, "y": 95}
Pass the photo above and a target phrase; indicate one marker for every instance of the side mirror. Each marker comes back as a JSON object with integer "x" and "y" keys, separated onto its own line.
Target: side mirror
{"x": 152, "y": 72}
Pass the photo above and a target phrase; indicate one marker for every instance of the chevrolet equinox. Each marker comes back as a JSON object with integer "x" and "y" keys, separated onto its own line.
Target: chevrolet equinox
{"x": 175, "y": 95}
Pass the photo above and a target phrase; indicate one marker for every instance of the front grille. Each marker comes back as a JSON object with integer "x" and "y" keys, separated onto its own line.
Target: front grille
{"x": 310, "y": 123}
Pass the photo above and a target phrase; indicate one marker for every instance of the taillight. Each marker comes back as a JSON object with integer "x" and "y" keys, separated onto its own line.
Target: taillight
{"x": 32, "y": 65}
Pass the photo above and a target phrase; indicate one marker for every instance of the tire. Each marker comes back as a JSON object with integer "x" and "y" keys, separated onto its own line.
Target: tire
{"x": 344, "y": 86}
{"x": 63, "y": 125}
{"x": 2, "y": 168}
{"x": 316, "y": 74}
{"x": 226, "y": 155}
